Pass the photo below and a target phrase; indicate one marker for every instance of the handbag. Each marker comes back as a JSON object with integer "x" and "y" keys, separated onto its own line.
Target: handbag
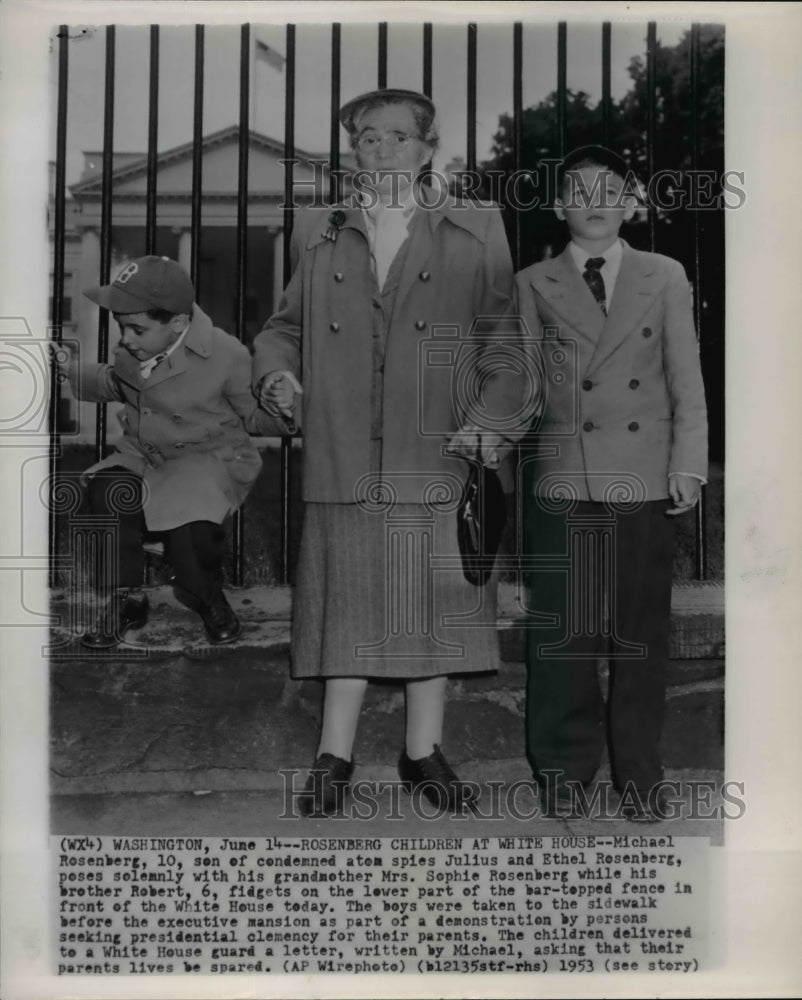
{"x": 481, "y": 516}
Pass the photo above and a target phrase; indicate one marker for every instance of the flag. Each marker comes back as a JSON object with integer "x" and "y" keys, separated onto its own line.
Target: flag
{"x": 270, "y": 56}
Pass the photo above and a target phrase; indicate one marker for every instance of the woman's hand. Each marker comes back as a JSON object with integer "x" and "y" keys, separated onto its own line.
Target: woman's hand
{"x": 466, "y": 443}
{"x": 277, "y": 395}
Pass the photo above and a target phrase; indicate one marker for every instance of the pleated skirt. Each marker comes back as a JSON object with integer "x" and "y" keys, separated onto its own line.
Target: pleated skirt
{"x": 383, "y": 595}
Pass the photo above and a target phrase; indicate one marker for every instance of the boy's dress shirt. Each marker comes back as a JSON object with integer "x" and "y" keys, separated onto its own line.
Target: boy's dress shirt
{"x": 146, "y": 367}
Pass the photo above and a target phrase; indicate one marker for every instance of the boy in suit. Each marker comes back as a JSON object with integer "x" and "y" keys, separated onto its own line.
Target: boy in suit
{"x": 185, "y": 461}
{"x": 621, "y": 446}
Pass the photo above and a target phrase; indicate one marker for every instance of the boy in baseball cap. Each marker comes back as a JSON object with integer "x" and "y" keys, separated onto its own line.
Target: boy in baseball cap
{"x": 185, "y": 461}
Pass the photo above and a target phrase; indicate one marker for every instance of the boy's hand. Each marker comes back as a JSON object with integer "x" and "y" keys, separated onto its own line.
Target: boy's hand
{"x": 684, "y": 492}
{"x": 466, "y": 443}
{"x": 277, "y": 395}
{"x": 62, "y": 354}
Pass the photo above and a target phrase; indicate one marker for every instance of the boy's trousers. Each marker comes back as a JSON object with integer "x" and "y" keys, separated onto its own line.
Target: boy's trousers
{"x": 606, "y": 576}
{"x": 194, "y": 550}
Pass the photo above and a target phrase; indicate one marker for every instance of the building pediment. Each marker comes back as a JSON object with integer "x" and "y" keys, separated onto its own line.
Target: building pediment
{"x": 220, "y": 170}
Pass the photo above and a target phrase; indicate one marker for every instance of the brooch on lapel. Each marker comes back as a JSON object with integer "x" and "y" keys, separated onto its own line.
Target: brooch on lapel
{"x": 336, "y": 219}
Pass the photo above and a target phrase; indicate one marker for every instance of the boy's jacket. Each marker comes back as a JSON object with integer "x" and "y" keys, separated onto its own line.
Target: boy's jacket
{"x": 623, "y": 403}
{"x": 186, "y": 428}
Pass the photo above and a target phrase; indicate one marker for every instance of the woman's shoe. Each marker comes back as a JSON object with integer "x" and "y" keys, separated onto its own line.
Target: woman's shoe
{"x": 435, "y": 779}
{"x": 326, "y": 787}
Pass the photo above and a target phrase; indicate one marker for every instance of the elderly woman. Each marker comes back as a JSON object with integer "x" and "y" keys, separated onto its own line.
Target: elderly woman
{"x": 373, "y": 283}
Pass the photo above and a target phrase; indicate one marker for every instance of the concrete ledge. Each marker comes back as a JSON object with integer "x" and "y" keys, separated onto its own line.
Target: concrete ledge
{"x": 265, "y": 612}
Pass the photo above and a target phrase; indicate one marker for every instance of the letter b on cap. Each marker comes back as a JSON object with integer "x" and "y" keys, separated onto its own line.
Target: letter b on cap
{"x": 127, "y": 272}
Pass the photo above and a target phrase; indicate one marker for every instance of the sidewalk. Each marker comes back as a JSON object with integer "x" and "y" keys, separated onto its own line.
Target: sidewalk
{"x": 170, "y": 732}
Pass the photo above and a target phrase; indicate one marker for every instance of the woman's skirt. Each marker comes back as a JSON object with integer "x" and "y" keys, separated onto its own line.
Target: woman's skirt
{"x": 382, "y": 594}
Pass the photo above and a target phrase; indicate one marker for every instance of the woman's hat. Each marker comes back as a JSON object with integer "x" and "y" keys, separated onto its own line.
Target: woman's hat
{"x": 388, "y": 95}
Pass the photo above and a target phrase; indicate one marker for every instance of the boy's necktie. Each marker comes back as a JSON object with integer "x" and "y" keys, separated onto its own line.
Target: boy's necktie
{"x": 595, "y": 282}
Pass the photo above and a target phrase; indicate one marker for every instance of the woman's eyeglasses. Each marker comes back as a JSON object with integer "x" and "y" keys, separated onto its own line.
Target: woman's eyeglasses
{"x": 369, "y": 142}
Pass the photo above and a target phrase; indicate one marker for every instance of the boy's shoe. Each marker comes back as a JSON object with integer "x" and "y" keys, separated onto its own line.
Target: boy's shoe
{"x": 125, "y": 610}
{"x": 219, "y": 620}
{"x": 646, "y": 807}
{"x": 326, "y": 786}
{"x": 560, "y": 804}
{"x": 436, "y": 780}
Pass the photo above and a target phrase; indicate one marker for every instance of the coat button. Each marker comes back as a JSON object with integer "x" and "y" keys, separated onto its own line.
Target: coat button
{"x": 338, "y": 276}
{"x": 647, "y": 331}
{"x": 334, "y": 327}
{"x": 420, "y": 324}
{"x": 588, "y": 425}
{"x": 587, "y": 385}
{"x": 634, "y": 383}
{"x": 424, "y": 276}
{"x": 634, "y": 426}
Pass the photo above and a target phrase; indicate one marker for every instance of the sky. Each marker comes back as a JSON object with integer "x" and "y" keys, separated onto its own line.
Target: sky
{"x": 359, "y": 62}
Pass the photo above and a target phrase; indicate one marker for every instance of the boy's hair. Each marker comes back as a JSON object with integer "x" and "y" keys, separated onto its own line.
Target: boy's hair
{"x": 163, "y": 315}
{"x": 592, "y": 156}
{"x": 160, "y": 315}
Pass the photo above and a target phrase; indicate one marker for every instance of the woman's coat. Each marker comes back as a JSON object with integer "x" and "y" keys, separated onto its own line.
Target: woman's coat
{"x": 457, "y": 271}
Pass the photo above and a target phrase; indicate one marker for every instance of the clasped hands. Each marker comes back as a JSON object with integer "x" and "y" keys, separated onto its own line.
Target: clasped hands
{"x": 471, "y": 442}
{"x": 277, "y": 394}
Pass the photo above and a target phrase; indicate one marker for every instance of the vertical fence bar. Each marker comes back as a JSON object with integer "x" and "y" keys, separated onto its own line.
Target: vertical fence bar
{"x": 197, "y": 161}
{"x": 651, "y": 113}
{"x": 289, "y": 145}
{"x": 607, "y": 102}
{"x": 701, "y": 507}
{"x": 471, "y": 90}
{"x": 427, "y": 59}
{"x": 153, "y": 139}
{"x": 382, "y": 55}
{"x": 57, "y": 314}
{"x": 562, "y": 84}
{"x": 335, "y": 181}
{"x": 517, "y": 125}
{"x": 242, "y": 241}
{"x": 105, "y": 228}
{"x": 285, "y": 469}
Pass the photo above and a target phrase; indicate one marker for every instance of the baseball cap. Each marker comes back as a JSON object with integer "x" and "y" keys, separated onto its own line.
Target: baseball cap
{"x": 146, "y": 283}
{"x": 389, "y": 94}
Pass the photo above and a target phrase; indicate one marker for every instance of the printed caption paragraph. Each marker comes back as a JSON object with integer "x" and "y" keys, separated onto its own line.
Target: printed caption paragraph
{"x": 161, "y": 906}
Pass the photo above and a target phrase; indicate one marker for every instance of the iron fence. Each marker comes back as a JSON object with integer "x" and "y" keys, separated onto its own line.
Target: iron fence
{"x": 519, "y": 153}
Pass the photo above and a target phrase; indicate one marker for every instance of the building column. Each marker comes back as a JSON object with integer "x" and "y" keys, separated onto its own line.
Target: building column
{"x": 87, "y": 275}
{"x": 278, "y": 266}
{"x": 185, "y": 250}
